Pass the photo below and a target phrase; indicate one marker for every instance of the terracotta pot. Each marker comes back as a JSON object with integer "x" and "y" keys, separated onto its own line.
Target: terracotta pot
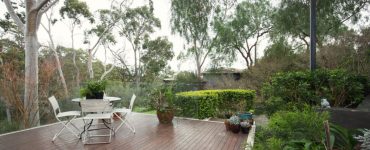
{"x": 235, "y": 128}
{"x": 245, "y": 130}
{"x": 165, "y": 116}
{"x": 227, "y": 125}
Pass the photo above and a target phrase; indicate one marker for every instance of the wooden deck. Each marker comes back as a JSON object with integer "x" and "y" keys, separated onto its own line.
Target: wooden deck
{"x": 150, "y": 135}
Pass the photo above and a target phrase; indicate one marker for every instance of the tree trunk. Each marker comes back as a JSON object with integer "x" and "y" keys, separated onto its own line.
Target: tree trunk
{"x": 31, "y": 103}
{"x": 8, "y": 115}
{"x": 89, "y": 65}
{"x": 56, "y": 56}
{"x": 136, "y": 69}
{"x": 74, "y": 58}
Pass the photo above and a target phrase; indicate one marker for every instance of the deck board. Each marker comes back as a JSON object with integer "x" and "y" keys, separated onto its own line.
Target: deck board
{"x": 182, "y": 134}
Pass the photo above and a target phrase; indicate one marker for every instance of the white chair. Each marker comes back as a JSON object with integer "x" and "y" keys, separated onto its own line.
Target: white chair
{"x": 58, "y": 115}
{"x": 98, "y": 109}
{"x": 124, "y": 114}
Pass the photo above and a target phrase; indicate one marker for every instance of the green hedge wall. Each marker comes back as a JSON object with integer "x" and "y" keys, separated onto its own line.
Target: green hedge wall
{"x": 209, "y": 103}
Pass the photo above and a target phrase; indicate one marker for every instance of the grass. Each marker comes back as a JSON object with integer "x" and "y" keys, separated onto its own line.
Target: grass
{"x": 144, "y": 110}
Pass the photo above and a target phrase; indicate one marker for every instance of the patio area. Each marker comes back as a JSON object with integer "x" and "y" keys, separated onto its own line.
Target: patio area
{"x": 182, "y": 134}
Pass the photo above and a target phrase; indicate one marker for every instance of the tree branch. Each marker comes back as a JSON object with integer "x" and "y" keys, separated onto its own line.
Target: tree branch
{"x": 40, "y": 4}
{"x": 45, "y": 9}
{"x": 14, "y": 16}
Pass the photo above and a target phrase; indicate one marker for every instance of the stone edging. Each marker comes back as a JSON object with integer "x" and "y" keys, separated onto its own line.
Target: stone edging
{"x": 250, "y": 139}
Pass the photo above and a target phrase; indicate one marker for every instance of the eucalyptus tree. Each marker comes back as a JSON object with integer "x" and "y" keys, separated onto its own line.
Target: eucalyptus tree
{"x": 135, "y": 26}
{"x": 109, "y": 18}
{"x": 51, "y": 21}
{"x": 34, "y": 10}
{"x": 191, "y": 19}
{"x": 75, "y": 10}
{"x": 156, "y": 55}
{"x": 292, "y": 18}
{"x": 241, "y": 33}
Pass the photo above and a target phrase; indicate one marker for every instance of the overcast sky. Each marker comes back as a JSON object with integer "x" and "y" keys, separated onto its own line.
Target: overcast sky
{"x": 62, "y": 34}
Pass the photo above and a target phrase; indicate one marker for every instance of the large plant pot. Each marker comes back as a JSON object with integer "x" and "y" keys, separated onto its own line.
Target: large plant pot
{"x": 235, "y": 128}
{"x": 165, "y": 116}
{"x": 245, "y": 130}
{"x": 98, "y": 95}
{"x": 227, "y": 125}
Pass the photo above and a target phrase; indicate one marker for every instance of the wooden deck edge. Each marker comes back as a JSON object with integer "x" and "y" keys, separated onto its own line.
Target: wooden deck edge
{"x": 42, "y": 126}
{"x": 250, "y": 139}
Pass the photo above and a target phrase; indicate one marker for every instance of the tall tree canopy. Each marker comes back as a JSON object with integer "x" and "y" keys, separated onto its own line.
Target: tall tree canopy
{"x": 241, "y": 33}
{"x": 292, "y": 17}
{"x": 191, "y": 19}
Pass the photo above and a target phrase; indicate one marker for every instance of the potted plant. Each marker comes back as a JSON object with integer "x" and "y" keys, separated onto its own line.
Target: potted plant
{"x": 227, "y": 124}
{"x": 228, "y": 114}
{"x": 93, "y": 90}
{"x": 234, "y": 124}
{"x": 163, "y": 99}
{"x": 245, "y": 126}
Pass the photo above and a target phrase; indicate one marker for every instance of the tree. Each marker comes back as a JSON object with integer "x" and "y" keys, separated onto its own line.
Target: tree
{"x": 135, "y": 26}
{"x": 155, "y": 57}
{"x": 52, "y": 46}
{"x": 74, "y": 9}
{"x": 34, "y": 11}
{"x": 291, "y": 18}
{"x": 242, "y": 33}
{"x": 191, "y": 19}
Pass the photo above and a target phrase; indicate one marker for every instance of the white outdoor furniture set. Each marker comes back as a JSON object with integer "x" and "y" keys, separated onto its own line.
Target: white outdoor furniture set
{"x": 100, "y": 110}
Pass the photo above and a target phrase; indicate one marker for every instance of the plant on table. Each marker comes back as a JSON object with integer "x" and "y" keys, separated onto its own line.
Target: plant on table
{"x": 94, "y": 89}
{"x": 234, "y": 124}
{"x": 163, "y": 98}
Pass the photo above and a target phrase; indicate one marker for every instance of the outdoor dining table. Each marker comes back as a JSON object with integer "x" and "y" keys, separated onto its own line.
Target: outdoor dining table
{"x": 109, "y": 98}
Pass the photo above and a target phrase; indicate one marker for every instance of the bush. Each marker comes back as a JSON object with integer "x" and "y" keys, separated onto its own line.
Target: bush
{"x": 207, "y": 103}
{"x": 341, "y": 88}
{"x": 294, "y": 130}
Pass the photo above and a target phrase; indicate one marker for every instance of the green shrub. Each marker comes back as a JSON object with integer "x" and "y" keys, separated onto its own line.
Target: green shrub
{"x": 296, "y": 129}
{"x": 341, "y": 88}
{"x": 207, "y": 103}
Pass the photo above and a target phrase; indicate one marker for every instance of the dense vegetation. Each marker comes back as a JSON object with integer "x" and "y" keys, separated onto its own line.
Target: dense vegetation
{"x": 296, "y": 89}
{"x": 210, "y": 103}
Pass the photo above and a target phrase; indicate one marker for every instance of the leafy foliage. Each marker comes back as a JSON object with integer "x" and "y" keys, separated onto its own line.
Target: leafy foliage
{"x": 294, "y": 89}
{"x": 207, "y": 103}
{"x": 293, "y": 130}
{"x": 236, "y": 36}
{"x": 156, "y": 55}
{"x": 163, "y": 98}
{"x": 74, "y": 9}
{"x": 93, "y": 87}
{"x": 291, "y": 17}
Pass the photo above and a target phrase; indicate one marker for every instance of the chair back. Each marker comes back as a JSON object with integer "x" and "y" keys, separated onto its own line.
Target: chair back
{"x": 54, "y": 103}
{"x": 132, "y": 102}
{"x": 95, "y": 105}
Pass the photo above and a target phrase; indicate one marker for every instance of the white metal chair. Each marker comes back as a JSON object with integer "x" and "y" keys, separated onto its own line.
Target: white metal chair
{"x": 124, "y": 115}
{"x": 98, "y": 109}
{"x": 58, "y": 115}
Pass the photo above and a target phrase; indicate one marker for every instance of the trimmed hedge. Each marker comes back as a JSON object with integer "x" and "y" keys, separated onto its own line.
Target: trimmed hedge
{"x": 208, "y": 103}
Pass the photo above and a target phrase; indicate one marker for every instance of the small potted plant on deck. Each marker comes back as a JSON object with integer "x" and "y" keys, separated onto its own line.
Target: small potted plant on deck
{"x": 234, "y": 124}
{"x": 163, "y": 99}
{"x": 93, "y": 90}
{"x": 245, "y": 126}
